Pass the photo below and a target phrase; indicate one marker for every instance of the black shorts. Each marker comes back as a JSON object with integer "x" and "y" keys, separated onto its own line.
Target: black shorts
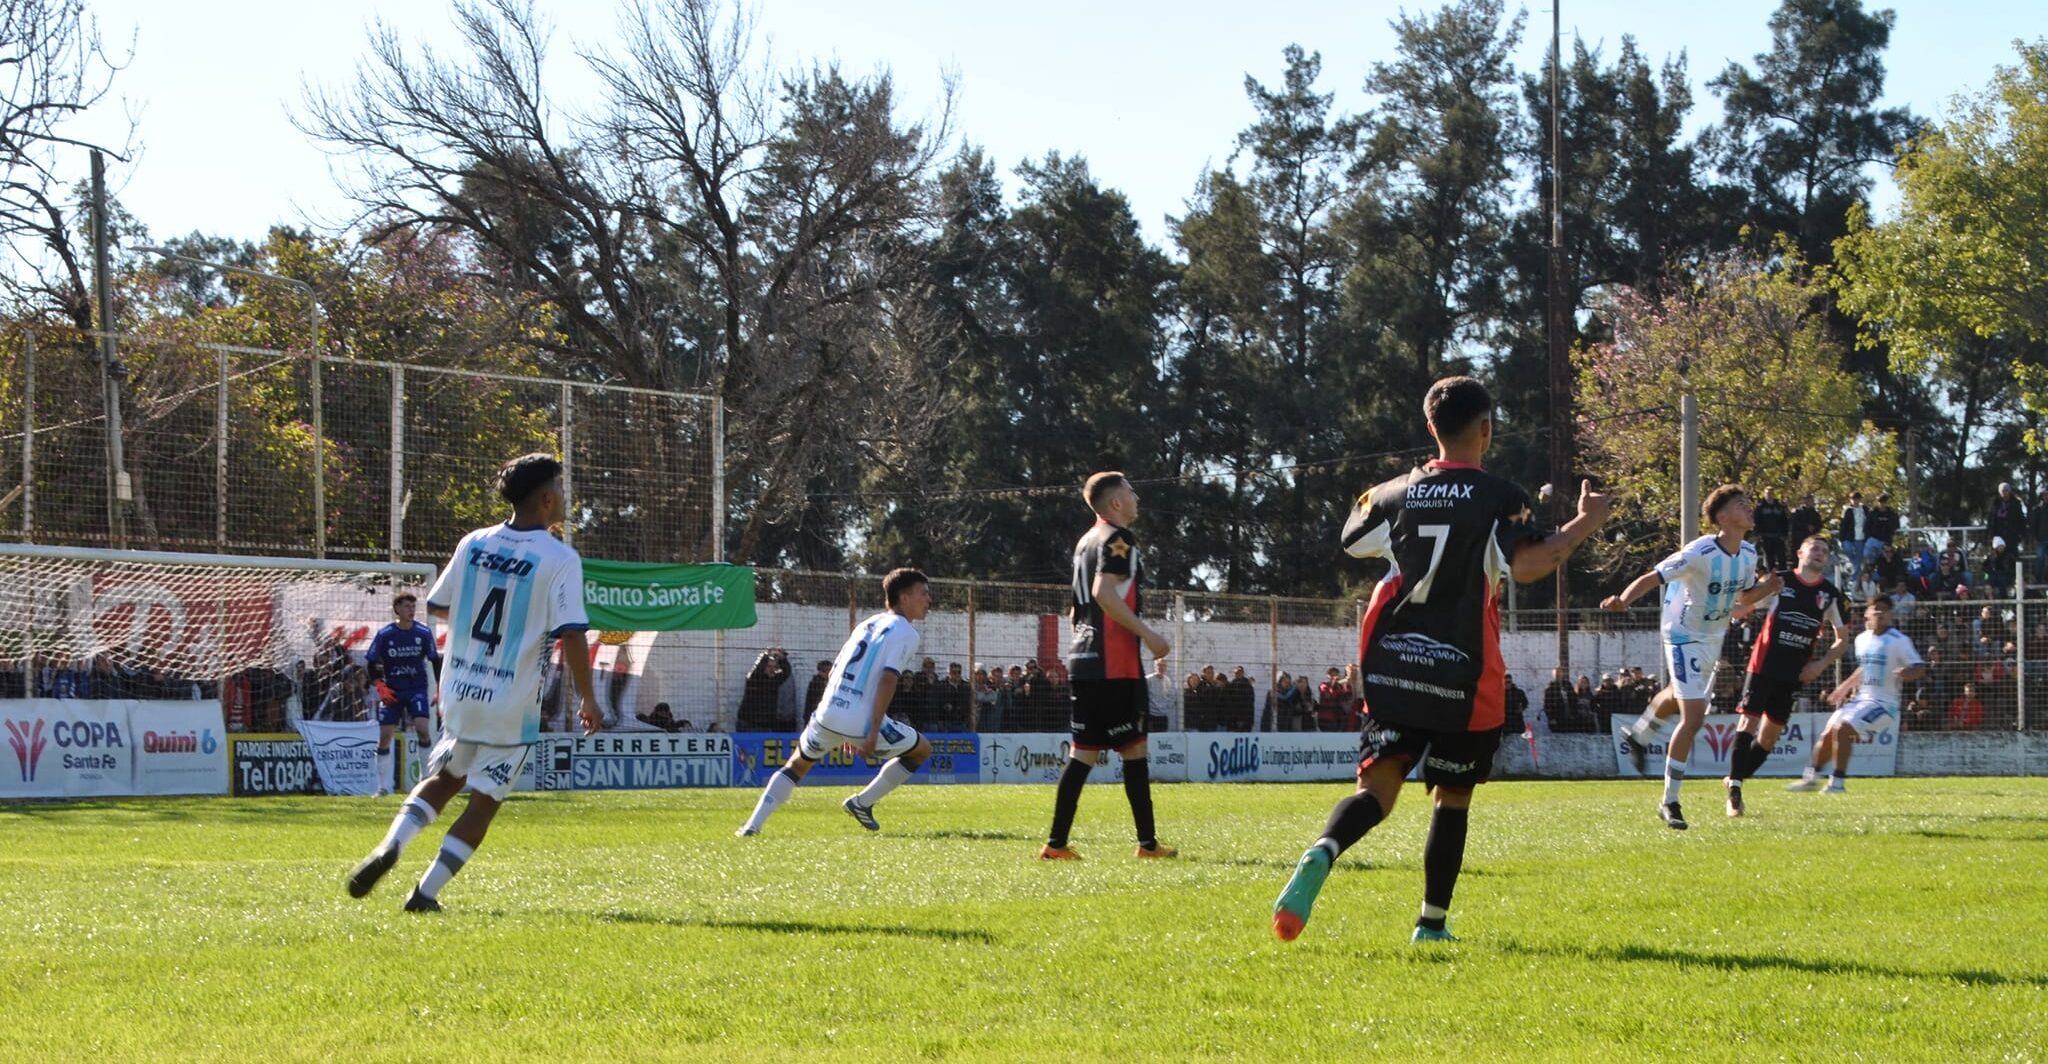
{"x": 1461, "y": 759}
{"x": 1109, "y": 714}
{"x": 1765, "y": 696}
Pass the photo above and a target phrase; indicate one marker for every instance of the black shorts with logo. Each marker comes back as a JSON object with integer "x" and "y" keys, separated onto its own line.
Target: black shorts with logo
{"x": 1449, "y": 758}
{"x": 1765, "y": 696}
{"x": 1109, "y": 714}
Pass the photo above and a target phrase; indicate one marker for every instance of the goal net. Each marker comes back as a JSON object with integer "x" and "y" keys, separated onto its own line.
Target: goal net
{"x": 270, "y": 637}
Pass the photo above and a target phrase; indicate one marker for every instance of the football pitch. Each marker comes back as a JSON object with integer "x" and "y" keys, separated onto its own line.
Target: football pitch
{"x": 1904, "y": 920}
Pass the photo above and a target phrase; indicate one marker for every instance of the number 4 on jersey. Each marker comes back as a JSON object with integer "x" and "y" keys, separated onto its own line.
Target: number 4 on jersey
{"x": 489, "y": 626}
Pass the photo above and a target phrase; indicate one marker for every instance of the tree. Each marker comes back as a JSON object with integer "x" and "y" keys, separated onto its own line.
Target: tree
{"x": 1800, "y": 132}
{"x": 714, "y": 225}
{"x": 54, "y": 67}
{"x": 1776, "y": 409}
{"x": 1953, "y": 284}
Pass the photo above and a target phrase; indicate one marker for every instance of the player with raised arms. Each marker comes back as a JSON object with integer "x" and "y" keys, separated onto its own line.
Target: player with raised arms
{"x": 1704, "y": 583}
{"x": 1782, "y": 662}
{"x": 1430, "y": 664}
{"x": 398, "y": 660}
{"x": 1110, "y": 698}
{"x": 508, "y": 593}
{"x": 1886, "y": 661}
{"x": 854, "y": 709}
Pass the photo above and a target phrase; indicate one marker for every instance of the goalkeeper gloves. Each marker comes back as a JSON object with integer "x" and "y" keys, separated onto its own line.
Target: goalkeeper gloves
{"x": 385, "y": 694}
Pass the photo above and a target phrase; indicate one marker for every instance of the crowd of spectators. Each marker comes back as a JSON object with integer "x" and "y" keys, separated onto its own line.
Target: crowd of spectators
{"x": 99, "y": 676}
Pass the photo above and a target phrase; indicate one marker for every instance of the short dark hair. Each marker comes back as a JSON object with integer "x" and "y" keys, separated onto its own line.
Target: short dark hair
{"x": 1100, "y": 485}
{"x": 404, "y": 597}
{"x": 1455, "y": 404}
{"x": 1880, "y": 600}
{"x": 1720, "y": 497}
{"x": 527, "y": 474}
{"x": 898, "y": 581}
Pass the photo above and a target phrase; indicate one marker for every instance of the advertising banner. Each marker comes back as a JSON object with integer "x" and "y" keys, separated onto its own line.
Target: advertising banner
{"x": 1038, "y": 757}
{"x": 181, "y": 748}
{"x": 344, "y": 753}
{"x": 659, "y": 597}
{"x": 956, "y": 758}
{"x": 1875, "y": 755}
{"x": 632, "y": 761}
{"x": 65, "y": 748}
{"x": 1273, "y": 757}
{"x": 263, "y": 765}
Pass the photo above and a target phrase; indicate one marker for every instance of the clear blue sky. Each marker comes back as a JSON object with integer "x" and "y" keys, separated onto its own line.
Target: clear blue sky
{"x": 1150, "y": 93}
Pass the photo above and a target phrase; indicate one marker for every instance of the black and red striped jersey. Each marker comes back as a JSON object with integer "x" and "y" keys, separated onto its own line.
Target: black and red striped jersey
{"x": 1102, "y": 649}
{"x": 1429, "y": 647}
{"x": 1799, "y": 611}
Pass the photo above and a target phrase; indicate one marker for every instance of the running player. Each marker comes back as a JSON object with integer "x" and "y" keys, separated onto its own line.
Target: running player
{"x": 1783, "y": 663}
{"x": 1432, "y": 672}
{"x": 1704, "y": 584}
{"x": 1886, "y": 661}
{"x": 854, "y": 710}
{"x": 398, "y": 660}
{"x": 1108, "y": 684}
{"x": 509, "y": 592}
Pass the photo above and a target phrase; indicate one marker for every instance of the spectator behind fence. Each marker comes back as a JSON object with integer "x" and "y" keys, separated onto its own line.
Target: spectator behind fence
{"x": 664, "y": 717}
{"x": 955, "y": 709}
{"x": 2037, "y": 526}
{"x": 1515, "y": 708}
{"x": 1585, "y": 710}
{"x": 1805, "y": 521}
{"x": 988, "y": 711}
{"x": 2007, "y": 519}
{"x": 1557, "y": 700}
{"x": 815, "y": 693}
{"x": 762, "y": 692}
{"x": 1242, "y": 706}
{"x": 1773, "y": 524}
{"x": 1884, "y": 522}
{"x": 1159, "y": 698}
{"x": 1333, "y": 698}
{"x": 1998, "y": 567}
{"x": 1965, "y": 711}
{"x": 1851, "y": 530}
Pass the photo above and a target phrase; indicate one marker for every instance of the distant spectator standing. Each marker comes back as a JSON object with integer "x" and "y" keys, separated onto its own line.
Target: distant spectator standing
{"x": 816, "y": 692}
{"x": 1851, "y": 530}
{"x": 1515, "y": 720}
{"x": 1160, "y": 695}
{"x": 2038, "y": 525}
{"x": 2008, "y": 517}
{"x": 1882, "y": 526}
{"x": 1557, "y": 699}
{"x": 1998, "y": 566}
{"x": 1773, "y": 524}
{"x": 1805, "y": 521}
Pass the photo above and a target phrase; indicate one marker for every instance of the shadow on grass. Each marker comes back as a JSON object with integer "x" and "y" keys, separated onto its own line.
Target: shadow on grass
{"x": 1746, "y": 962}
{"x": 973, "y": 835}
{"x": 804, "y": 927}
{"x": 1933, "y": 834}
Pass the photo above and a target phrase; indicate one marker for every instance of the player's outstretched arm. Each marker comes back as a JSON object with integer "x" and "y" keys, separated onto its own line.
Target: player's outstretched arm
{"x": 1539, "y": 558}
{"x": 576, "y": 655}
{"x": 1763, "y": 590}
{"x": 1813, "y": 669}
{"x": 1636, "y": 589}
{"x": 1844, "y": 689}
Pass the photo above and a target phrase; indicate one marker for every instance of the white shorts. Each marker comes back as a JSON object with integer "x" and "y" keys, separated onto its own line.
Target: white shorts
{"x": 892, "y": 738}
{"x": 1867, "y": 716}
{"x": 1691, "y": 667}
{"x": 491, "y": 769}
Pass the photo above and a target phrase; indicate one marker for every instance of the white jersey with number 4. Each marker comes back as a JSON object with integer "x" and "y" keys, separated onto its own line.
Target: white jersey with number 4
{"x": 883, "y": 643}
{"x": 1880, "y": 655}
{"x": 1701, "y": 583}
{"x": 509, "y": 593}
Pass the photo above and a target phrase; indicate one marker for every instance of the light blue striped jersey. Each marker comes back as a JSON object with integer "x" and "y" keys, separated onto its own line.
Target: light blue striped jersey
{"x": 509, "y": 592}
{"x": 1701, "y": 583}
{"x": 885, "y": 642}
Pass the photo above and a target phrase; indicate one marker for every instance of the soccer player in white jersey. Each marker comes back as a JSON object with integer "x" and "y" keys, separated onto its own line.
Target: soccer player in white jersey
{"x": 854, "y": 709}
{"x": 1886, "y": 661}
{"x": 510, "y": 591}
{"x": 1705, "y": 583}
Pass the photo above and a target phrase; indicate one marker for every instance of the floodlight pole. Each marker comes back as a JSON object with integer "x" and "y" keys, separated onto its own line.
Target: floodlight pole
{"x": 319, "y": 417}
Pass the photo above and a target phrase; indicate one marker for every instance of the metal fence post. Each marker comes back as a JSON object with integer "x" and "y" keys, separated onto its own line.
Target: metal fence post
{"x": 2019, "y": 642}
{"x": 319, "y": 452}
{"x": 28, "y": 443}
{"x": 397, "y": 516}
{"x": 220, "y": 450}
{"x": 1180, "y": 643}
{"x": 718, "y": 482}
{"x": 568, "y": 458}
{"x": 974, "y": 707}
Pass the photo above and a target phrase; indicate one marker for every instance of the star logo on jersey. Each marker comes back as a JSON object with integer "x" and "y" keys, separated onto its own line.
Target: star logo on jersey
{"x": 1119, "y": 548}
{"x": 1525, "y": 516}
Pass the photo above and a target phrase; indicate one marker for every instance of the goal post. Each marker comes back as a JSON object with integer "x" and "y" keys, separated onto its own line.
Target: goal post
{"x": 265, "y": 635}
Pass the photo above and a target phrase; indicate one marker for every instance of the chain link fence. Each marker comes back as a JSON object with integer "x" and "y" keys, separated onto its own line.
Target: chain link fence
{"x": 226, "y": 450}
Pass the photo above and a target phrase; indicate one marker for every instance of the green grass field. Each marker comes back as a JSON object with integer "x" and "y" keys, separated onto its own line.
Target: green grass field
{"x": 1905, "y": 920}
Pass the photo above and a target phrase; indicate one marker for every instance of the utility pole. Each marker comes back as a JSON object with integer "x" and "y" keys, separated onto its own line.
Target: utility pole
{"x": 112, "y": 372}
{"x": 1688, "y": 467}
{"x": 1564, "y": 491}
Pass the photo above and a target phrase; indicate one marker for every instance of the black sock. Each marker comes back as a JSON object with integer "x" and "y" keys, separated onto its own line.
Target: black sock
{"x": 1744, "y": 742}
{"x": 1443, "y": 857}
{"x": 1758, "y": 754}
{"x": 1066, "y": 800}
{"x": 1353, "y": 817}
{"x": 1138, "y": 788}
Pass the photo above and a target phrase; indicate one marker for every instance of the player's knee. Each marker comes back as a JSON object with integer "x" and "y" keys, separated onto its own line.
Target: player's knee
{"x": 797, "y": 767}
{"x": 918, "y": 753}
{"x": 1453, "y": 797}
{"x": 1135, "y": 750}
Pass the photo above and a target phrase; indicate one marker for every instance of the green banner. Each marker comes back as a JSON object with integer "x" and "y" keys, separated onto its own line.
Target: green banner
{"x": 658, "y": 597}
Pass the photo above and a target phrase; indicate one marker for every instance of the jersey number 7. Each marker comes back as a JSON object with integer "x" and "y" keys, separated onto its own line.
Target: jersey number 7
{"x": 1439, "y": 536}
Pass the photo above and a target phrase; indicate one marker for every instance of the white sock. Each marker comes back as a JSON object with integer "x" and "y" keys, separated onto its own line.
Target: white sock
{"x": 1434, "y": 912}
{"x": 1674, "y": 774}
{"x": 454, "y": 854}
{"x": 892, "y": 775}
{"x": 772, "y": 796}
{"x": 1810, "y": 772}
{"x": 384, "y": 774}
{"x": 412, "y": 818}
{"x": 1646, "y": 724}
